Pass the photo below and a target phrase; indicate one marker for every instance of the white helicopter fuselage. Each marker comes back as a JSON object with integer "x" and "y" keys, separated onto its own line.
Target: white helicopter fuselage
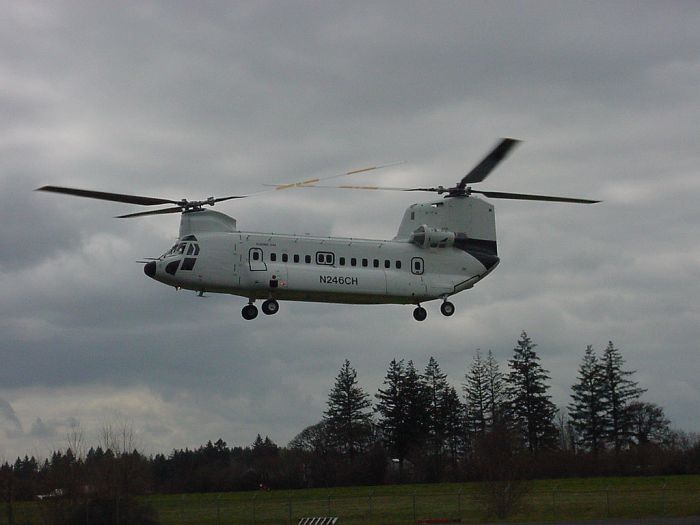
{"x": 319, "y": 269}
{"x": 434, "y": 255}
{"x": 442, "y": 248}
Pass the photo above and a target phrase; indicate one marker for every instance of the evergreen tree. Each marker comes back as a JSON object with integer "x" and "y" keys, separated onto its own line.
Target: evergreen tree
{"x": 441, "y": 410}
{"x": 346, "y": 418}
{"x": 587, "y": 410}
{"x": 436, "y": 388}
{"x": 416, "y": 401}
{"x": 619, "y": 391}
{"x": 476, "y": 394}
{"x": 495, "y": 391}
{"x": 454, "y": 424}
{"x": 392, "y": 407}
{"x": 529, "y": 406}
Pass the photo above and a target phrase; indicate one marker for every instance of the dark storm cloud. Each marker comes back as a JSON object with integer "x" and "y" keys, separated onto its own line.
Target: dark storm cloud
{"x": 183, "y": 100}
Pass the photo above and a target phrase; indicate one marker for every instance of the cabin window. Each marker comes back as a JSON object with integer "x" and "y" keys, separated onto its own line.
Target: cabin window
{"x": 417, "y": 265}
{"x": 342, "y": 261}
{"x": 256, "y": 256}
{"x": 296, "y": 257}
{"x": 327, "y": 258}
{"x": 353, "y": 262}
{"x": 365, "y": 262}
{"x": 307, "y": 259}
{"x": 273, "y": 257}
{"x": 413, "y": 215}
{"x": 285, "y": 257}
{"x": 376, "y": 263}
{"x": 387, "y": 263}
{"x": 398, "y": 265}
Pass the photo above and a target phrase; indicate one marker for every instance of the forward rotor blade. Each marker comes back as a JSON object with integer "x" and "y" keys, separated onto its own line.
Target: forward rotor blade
{"x": 101, "y": 195}
{"x": 222, "y": 199}
{"x": 152, "y": 212}
{"x": 487, "y": 165}
{"x": 527, "y": 197}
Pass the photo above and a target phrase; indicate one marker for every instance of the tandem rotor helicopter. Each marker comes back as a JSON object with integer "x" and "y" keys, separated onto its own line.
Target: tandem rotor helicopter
{"x": 442, "y": 247}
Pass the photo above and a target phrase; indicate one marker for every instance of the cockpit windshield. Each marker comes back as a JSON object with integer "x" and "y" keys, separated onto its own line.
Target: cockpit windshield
{"x": 191, "y": 248}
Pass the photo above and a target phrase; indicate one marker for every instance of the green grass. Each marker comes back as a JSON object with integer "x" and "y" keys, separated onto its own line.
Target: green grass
{"x": 547, "y": 500}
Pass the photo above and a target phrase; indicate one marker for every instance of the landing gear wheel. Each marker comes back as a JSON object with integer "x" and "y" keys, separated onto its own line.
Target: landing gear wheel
{"x": 419, "y": 314}
{"x": 447, "y": 308}
{"x": 270, "y": 307}
{"x": 250, "y": 311}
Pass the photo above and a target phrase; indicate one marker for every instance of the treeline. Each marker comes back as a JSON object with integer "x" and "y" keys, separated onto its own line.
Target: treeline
{"x": 504, "y": 423}
{"x": 418, "y": 427}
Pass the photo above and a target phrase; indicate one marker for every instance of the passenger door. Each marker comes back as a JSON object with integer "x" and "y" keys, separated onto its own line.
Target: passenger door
{"x": 256, "y": 261}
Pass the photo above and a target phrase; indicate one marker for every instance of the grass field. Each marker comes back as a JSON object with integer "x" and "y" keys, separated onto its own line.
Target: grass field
{"x": 547, "y": 500}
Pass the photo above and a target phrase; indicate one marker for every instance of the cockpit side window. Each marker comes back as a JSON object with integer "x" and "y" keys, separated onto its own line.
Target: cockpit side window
{"x": 181, "y": 248}
{"x": 190, "y": 250}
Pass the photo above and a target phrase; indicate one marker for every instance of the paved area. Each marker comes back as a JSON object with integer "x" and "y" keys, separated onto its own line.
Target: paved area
{"x": 693, "y": 520}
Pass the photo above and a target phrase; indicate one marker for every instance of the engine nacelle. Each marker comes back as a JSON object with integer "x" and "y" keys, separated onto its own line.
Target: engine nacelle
{"x": 427, "y": 237}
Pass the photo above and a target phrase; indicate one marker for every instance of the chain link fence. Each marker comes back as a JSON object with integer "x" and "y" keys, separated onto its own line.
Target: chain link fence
{"x": 391, "y": 509}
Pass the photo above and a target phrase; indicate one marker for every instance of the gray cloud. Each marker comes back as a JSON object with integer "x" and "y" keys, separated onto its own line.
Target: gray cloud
{"x": 178, "y": 101}
{"x": 9, "y": 421}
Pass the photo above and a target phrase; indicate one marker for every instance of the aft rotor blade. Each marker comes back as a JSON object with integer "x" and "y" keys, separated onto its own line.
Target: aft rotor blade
{"x": 487, "y": 165}
{"x": 312, "y": 182}
{"x": 383, "y": 188}
{"x": 528, "y": 197}
{"x": 101, "y": 195}
{"x": 162, "y": 211}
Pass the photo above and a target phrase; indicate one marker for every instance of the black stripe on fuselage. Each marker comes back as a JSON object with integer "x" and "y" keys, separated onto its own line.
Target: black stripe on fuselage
{"x": 482, "y": 250}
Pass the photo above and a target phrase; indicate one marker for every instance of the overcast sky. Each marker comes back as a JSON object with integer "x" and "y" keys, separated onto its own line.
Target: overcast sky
{"x": 192, "y": 99}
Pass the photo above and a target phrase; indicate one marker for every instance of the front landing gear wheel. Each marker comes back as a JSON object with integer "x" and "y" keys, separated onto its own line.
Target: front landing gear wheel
{"x": 250, "y": 311}
{"x": 419, "y": 314}
{"x": 270, "y": 307}
{"x": 447, "y": 308}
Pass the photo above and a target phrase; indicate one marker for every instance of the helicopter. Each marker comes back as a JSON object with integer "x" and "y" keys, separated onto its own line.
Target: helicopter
{"x": 442, "y": 247}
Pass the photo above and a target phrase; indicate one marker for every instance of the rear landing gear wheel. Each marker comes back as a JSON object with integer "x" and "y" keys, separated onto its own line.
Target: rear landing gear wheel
{"x": 419, "y": 314}
{"x": 250, "y": 311}
{"x": 447, "y": 308}
{"x": 270, "y": 307}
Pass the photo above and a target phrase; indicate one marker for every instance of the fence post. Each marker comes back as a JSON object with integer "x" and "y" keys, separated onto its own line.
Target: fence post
{"x": 218, "y": 509}
{"x": 554, "y": 502}
{"x": 370, "y": 505}
{"x": 663, "y": 499}
{"x": 414, "y": 507}
{"x": 254, "y": 497}
{"x": 290, "y": 512}
{"x": 607, "y": 501}
{"x": 459, "y": 505}
{"x": 329, "y": 505}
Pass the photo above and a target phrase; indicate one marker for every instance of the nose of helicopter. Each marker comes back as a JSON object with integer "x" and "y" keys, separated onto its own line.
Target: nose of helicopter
{"x": 150, "y": 269}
